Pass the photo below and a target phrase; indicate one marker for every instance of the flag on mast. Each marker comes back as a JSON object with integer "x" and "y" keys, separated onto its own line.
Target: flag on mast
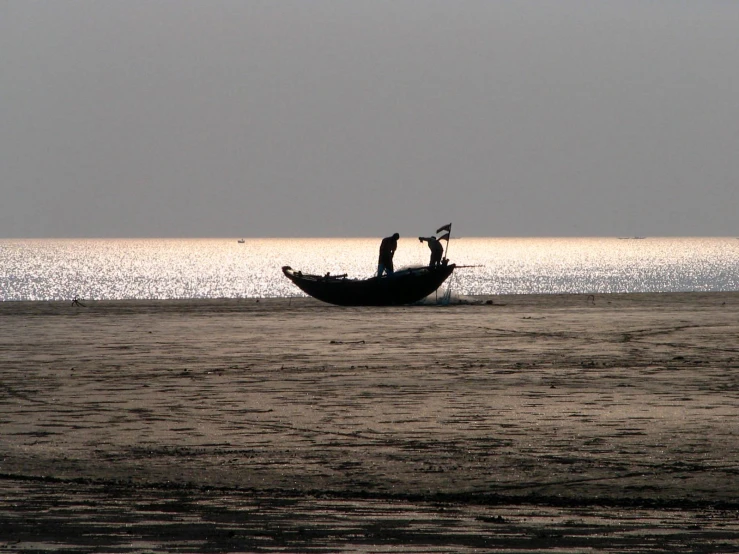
{"x": 448, "y": 229}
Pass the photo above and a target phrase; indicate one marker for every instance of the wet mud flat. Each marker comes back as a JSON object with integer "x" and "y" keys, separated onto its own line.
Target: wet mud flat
{"x": 554, "y": 423}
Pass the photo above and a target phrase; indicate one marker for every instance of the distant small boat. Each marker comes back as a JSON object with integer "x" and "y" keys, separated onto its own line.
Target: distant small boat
{"x": 241, "y": 241}
{"x": 402, "y": 287}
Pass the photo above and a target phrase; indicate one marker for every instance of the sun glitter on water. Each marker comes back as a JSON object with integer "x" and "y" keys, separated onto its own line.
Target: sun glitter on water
{"x": 101, "y": 269}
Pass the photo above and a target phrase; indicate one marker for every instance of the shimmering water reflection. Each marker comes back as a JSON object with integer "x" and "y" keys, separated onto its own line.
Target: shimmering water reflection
{"x": 223, "y": 268}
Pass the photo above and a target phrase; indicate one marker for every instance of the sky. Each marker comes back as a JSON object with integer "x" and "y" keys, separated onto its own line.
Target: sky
{"x": 278, "y": 118}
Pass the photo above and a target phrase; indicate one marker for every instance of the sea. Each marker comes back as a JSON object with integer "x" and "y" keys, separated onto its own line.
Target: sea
{"x": 120, "y": 269}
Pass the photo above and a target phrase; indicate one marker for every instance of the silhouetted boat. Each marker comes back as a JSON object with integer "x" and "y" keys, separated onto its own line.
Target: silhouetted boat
{"x": 402, "y": 287}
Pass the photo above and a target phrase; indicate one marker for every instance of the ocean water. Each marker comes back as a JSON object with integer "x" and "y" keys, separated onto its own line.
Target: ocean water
{"x": 106, "y": 269}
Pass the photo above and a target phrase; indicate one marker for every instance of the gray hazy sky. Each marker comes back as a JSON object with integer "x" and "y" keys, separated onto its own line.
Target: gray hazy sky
{"x": 316, "y": 118}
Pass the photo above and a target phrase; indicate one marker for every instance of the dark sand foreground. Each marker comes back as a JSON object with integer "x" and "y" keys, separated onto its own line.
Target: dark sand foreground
{"x": 535, "y": 424}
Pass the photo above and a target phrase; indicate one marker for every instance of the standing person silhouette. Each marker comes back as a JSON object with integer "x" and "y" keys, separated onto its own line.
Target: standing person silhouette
{"x": 388, "y": 246}
{"x": 437, "y": 250}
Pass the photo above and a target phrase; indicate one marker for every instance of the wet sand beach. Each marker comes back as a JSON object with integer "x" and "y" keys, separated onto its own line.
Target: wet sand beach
{"x": 551, "y": 423}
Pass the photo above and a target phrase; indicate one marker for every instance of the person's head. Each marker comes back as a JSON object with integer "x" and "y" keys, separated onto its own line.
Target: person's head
{"x": 396, "y": 236}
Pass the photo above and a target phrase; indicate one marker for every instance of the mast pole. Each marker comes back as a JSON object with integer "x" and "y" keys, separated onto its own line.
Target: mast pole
{"x": 449, "y": 231}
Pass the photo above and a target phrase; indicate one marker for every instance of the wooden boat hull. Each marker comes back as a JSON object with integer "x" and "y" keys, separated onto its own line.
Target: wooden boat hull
{"x": 402, "y": 287}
